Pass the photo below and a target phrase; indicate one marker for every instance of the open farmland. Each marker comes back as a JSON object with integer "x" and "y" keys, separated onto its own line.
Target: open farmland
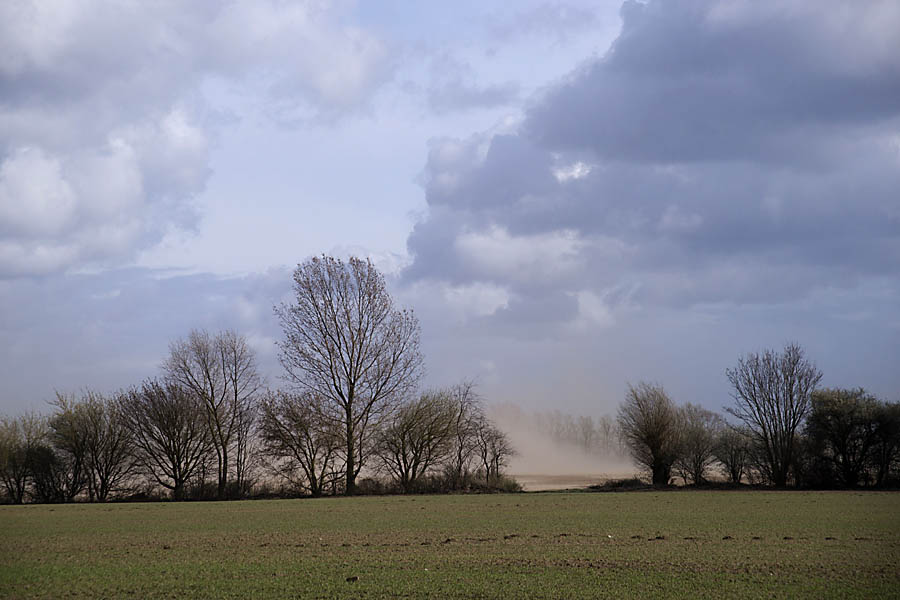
{"x": 699, "y": 544}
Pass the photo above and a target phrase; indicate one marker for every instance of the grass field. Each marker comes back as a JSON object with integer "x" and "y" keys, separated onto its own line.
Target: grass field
{"x": 541, "y": 545}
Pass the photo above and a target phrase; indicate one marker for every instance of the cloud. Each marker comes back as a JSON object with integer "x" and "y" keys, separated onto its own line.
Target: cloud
{"x": 723, "y": 80}
{"x": 453, "y": 87}
{"x": 722, "y": 180}
{"x": 497, "y": 255}
{"x": 720, "y": 152}
{"x": 557, "y": 19}
{"x": 110, "y": 109}
{"x": 62, "y": 209}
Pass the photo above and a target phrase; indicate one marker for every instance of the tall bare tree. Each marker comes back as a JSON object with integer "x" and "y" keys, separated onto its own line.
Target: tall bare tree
{"x": 772, "y": 397}
{"x": 221, "y": 370}
{"x": 345, "y": 342}
{"x": 170, "y": 431}
{"x": 299, "y": 440}
{"x": 417, "y": 437}
{"x": 650, "y": 424}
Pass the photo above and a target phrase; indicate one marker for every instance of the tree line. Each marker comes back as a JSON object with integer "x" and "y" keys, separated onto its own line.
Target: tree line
{"x": 208, "y": 427}
{"x": 784, "y": 430}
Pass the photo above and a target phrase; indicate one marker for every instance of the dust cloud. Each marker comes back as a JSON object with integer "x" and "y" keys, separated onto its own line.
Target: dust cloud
{"x": 560, "y": 451}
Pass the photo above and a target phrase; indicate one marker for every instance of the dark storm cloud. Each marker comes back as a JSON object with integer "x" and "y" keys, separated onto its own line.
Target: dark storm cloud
{"x": 683, "y": 84}
{"x": 720, "y": 152}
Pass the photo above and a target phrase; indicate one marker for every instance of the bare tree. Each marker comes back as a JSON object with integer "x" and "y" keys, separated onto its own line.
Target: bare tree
{"x": 417, "y": 437}
{"x": 246, "y": 446}
{"x": 51, "y": 475}
{"x": 170, "y": 431}
{"x": 732, "y": 449}
{"x": 468, "y": 415}
{"x": 300, "y": 440}
{"x": 221, "y": 370}
{"x": 650, "y": 423}
{"x": 109, "y": 444}
{"x": 345, "y": 342}
{"x": 65, "y": 466}
{"x": 772, "y": 397}
{"x": 841, "y": 425}
{"x": 700, "y": 429}
{"x": 494, "y": 450}
{"x": 18, "y": 440}
{"x": 586, "y": 433}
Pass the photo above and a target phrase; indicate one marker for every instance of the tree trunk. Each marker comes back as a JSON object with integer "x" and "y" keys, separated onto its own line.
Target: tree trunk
{"x": 223, "y": 473}
{"x": 350, "y": 487}
{"x": 661, "y": 474}
{"x": 178, "y": 491}
{"x": 780, "y": 478}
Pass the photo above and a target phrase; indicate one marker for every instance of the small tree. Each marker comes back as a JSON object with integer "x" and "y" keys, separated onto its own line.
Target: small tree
{"x": 51, "y": 474}
{"x": 345, "y": 343}
{"x": 417, "y": 437}
{"x": 842, "y": 426}
{"x": 772, "y": 397}
{"x": 468, "y": 414}
{"x": 650, "y": 423}
{"x": 220, "y": 370}
{"x": 109, "y": 445}
{"x": 246, "y": 446}
{"x": 64, "y": 464}
{"x": 170, "y": 432}
{"x": 699, "y": 435}
{"x": 18, "y": 439}
{"x": 494, "y": 450}
{"x": 732, "y": 449}
{"x": 300, "y": 440}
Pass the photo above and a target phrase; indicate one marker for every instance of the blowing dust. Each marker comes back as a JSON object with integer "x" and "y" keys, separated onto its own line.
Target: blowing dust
{"x": 559, "y": 451}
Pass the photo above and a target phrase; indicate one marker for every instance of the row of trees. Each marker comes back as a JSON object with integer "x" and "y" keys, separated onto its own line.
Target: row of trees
{"x": 438, "y": 440}
{"x": 160, "y": 434}
{"x": 784, "y": 429}
{"x": 353, "y": 365}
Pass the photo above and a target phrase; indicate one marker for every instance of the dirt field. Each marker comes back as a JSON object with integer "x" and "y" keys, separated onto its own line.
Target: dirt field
{"x": 696, "y": 544}
{"x": 543, "y": 483}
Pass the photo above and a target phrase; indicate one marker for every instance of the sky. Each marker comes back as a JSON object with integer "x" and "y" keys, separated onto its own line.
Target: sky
{"x": 572, "y": 196}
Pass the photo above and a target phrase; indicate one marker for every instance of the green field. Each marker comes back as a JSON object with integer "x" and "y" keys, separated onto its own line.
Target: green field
{"x": 541, "y": 545}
